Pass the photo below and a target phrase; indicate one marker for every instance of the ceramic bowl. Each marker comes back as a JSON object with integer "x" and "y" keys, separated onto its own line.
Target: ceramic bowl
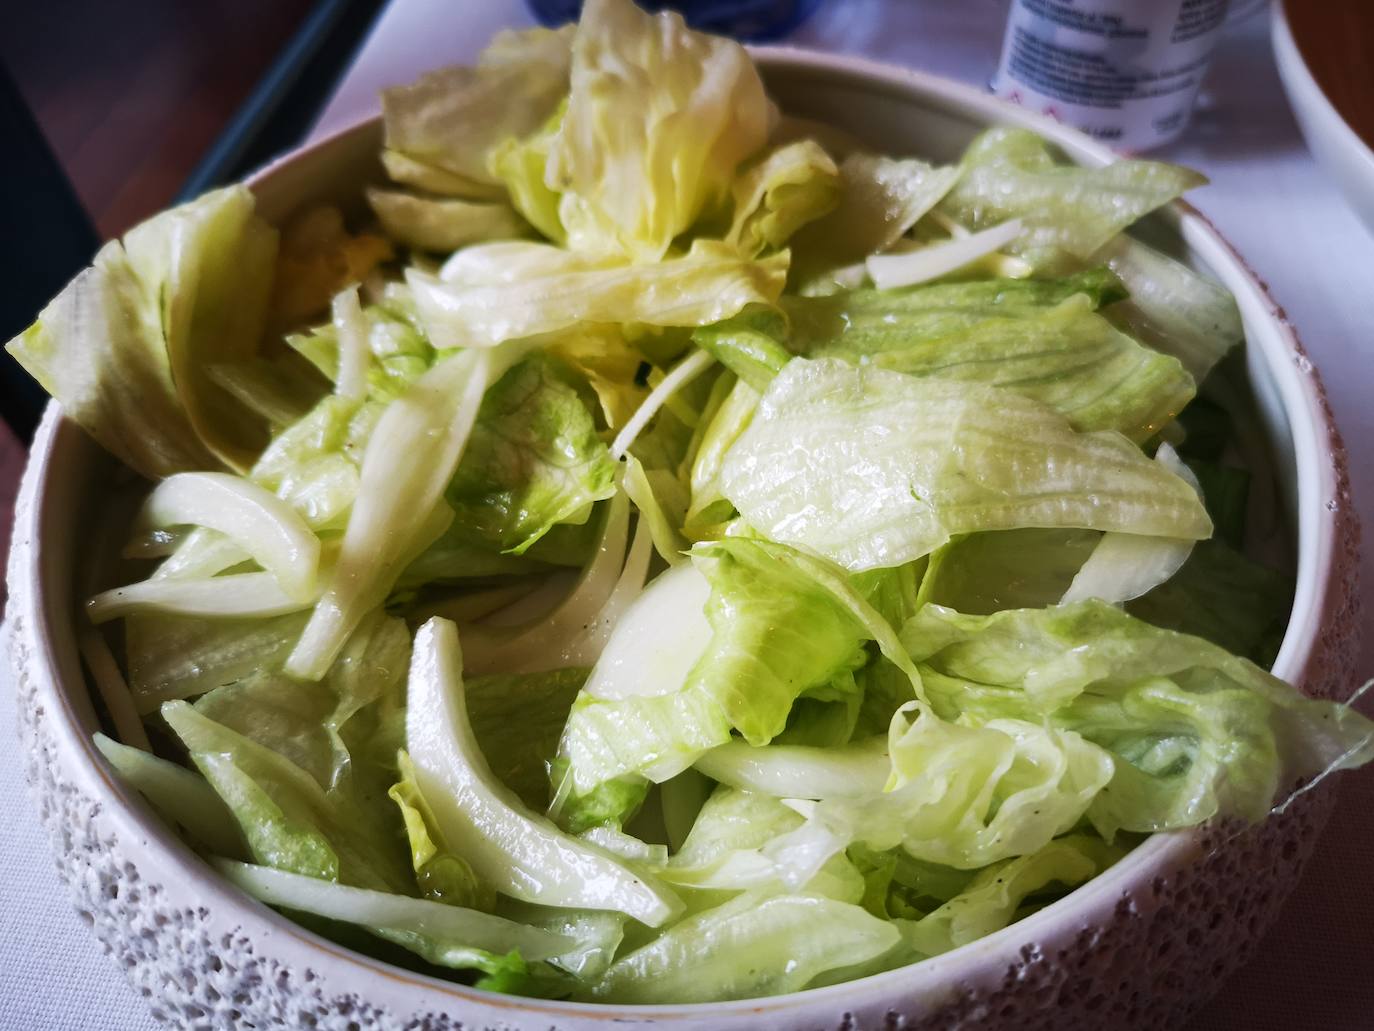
{"x": 1141, "y": 946}
{"x": 1338, "y": 148}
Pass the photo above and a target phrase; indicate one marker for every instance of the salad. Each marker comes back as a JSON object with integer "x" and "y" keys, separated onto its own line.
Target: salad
{"x": 661, "y": 550}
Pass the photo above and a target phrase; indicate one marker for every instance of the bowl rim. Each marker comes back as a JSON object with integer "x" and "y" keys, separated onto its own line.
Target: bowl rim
{"x": 1296, "y": 72}
{"x": 1317, "y": 456}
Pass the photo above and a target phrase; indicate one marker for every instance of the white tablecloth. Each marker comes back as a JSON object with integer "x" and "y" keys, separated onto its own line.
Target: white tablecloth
{"x": 1267, "y": 196}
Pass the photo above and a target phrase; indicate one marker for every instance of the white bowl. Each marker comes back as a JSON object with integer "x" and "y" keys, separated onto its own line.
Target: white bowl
{"x": 1142, "y": 945}
{"x": 1337, "y": 147}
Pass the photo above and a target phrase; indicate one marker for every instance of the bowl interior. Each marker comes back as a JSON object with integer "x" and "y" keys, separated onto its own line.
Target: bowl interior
{"x": 895, "y": 112}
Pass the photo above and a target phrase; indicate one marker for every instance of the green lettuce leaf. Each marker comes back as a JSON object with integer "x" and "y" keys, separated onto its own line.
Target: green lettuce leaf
{"x": 1195, "y": 732}
{"x": 287, "y": 818}
{"x": 1010, "y": 173}
{"x": 520, "y": 164}
{"x": 1172, "y": 308}
{"x": 1222, "y": 596}
{"x": 98, "y": 349}
{"x": 777, "y": 628}
{"x": 533, "y": 460}
{"x": 747, "y": 345}
{"x": 659, "y": 119}
{"x": 819, "y": 466}
{"x": 993, "y": 897}
{"x": 444, "y": 126}
{"x": 709, "y": 283}
{"x": 443, "y": 224}
{"x": 171, "y": 657}
{"x": 517, "y": 720}
{"x": 662, "y": 501}
{"x": 746, "y": 948}
{"x": 788, "y": 187}
{"x": 982, "y": 573}
{"x": 709, "y": 508}
{"x": 1041, "y": 340}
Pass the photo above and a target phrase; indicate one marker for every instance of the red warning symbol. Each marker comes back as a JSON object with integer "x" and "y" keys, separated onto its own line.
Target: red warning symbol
{"x": 1014, "y": 96}
{"x": 1053, "y": 112}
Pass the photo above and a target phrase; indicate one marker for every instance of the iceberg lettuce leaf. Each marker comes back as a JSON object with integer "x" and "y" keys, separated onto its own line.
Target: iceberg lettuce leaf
{"x": 443, "y": 224}
{"x": 709, "y": 283}
{"x": 1172, "y": 308}
{"x": 533, "y": 460}
{"x": 788, "y": 187}
{"x": 1010, "y": 173}
{"x": 98, "y": 349}
{"x": 452, "y": 119}
{"x": 1040, "y": 339}
{"x": 287, "y": 818}
{"x": 1194, "y": 731}
{"x": 820, "y": 466}
{"x": 746, "y": 948}
{"x": 659, "y": 119}
{"x": 210, "y": 264}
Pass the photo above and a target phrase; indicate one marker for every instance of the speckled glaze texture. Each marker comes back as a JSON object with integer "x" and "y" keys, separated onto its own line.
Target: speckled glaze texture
{"x": 1142, "y": 946}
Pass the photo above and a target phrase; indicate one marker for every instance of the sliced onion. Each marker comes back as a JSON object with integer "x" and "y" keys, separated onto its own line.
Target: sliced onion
{"x": 262, "y": 524}
{"x": 890, "y": 271}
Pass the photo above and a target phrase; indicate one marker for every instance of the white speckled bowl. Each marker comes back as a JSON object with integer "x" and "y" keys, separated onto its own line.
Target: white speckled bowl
{"x": 1141, "y": 946}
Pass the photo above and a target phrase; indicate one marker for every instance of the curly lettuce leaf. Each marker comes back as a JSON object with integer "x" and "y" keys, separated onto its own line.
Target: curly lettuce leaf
{"x": 659, "y": 119}
{"x": 1194, "y": 731}
{"x": 788, "y": 187}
